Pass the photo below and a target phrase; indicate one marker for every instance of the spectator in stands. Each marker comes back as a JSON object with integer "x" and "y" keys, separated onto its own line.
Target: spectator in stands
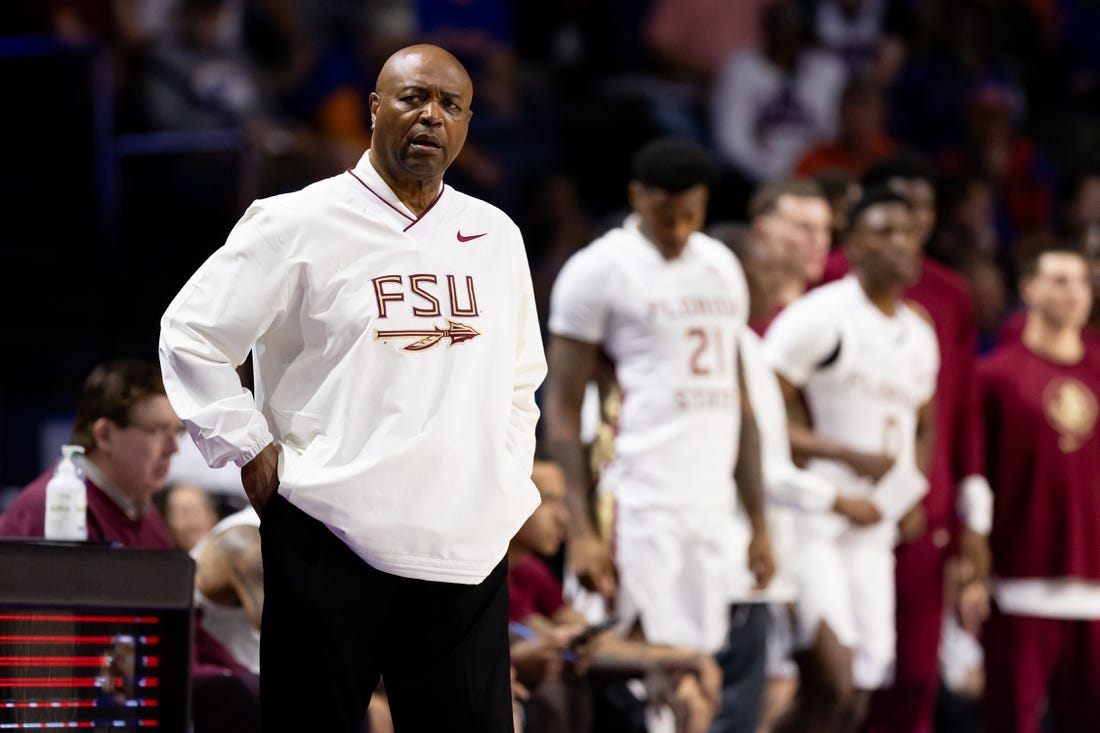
{"x": 958, "y": 52}
{"x": 129, "y": 432}
{"x": 968, "y": 242}
{"x": 191, "y": 81}
{"x": 861, "y": 137}
{"x": 1020, "y": 174}
{"x": 769, "y": 106}
{"x": 1079, "y": 210}
{"x": 229, "y": 585}
{"x": 871, "y": 36}
{"x": 554, "y": 226}
{"x": 189, "y": 511}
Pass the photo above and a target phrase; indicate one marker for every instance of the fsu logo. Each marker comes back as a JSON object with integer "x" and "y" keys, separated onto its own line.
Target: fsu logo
{"x": 1070, "y": 409}
{"x": 426, "y": 300}
{"x": 427, "y": 338}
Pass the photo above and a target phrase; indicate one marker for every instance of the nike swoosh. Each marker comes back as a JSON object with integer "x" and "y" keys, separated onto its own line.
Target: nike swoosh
{"x": 462, "y": 238}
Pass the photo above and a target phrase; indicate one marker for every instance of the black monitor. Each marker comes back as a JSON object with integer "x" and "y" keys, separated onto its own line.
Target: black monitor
{"x": 94, "y": 637}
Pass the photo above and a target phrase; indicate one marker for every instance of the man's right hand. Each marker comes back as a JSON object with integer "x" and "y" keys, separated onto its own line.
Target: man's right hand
{"x": 260, "y": 477}
{"x": 872, "y": 465}
{"x": 590, "y": 560}
{"x": 859, "y": 512}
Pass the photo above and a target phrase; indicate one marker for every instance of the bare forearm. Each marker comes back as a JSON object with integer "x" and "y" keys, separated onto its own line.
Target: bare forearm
{"x": 572, "y": 364}
{"x": 806, "y": 444}
{"x": 749, "y": 474}
{"x": 571, "y": 456}
{"x": 614, "y": 655}
{"x": 926, "y": 435}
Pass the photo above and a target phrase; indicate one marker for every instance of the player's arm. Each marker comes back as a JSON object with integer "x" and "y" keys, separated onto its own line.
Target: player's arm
{"x": 926, "y": 435}
{"x": 749, "y": 477}
{"x": 805, "y": 443}
{"x": 912, "y": 524}
{"x": 572, "y": 364}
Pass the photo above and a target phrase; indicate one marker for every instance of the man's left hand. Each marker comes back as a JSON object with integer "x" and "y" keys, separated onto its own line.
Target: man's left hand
{"x": 260, "y": 477}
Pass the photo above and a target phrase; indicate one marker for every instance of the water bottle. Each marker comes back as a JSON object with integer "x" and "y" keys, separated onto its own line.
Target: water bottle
{"x": 67, "y": 498}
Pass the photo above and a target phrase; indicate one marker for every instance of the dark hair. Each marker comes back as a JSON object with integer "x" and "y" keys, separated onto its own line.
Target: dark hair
{"x": 767, "y": 196}
{"x": 906, "y": 164}
{"x": 1029, "y": 258}
{"x": 674, "y": 165}
{"x": 873, "y": 196}
{"x": 835, "y": 182}
{"x": 111, "y": 390}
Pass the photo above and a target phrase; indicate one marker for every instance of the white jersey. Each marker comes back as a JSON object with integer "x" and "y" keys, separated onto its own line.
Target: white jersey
{"x": 395, "y": 360}
{"x": 671, "y": 329}
{"x": 864, "y": 376}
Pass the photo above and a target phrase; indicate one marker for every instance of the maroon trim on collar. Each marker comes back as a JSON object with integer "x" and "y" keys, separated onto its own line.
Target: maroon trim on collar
{"x": 425, "y": 212}
{"x": 412, "y": 221}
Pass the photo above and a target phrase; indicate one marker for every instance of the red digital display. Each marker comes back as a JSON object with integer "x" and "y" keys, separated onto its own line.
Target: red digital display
{"x": 81, "y": 670}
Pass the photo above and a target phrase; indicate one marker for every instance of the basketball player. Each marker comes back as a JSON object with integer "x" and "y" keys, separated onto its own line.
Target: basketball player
{"x": 957, "y": 507}
{"x": 866, "y": 366}
{"x": 666, "y": 304}
{"x": 1039, "y": 402}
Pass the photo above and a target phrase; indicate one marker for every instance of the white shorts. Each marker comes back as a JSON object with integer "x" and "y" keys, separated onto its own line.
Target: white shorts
{"x": 673, "y": 569}
{"x": 848, "y": 583}
{"x": 780, "y": 643}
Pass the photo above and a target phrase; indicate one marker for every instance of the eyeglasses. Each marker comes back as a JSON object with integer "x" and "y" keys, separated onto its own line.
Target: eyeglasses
{"x": 162, "y": 430}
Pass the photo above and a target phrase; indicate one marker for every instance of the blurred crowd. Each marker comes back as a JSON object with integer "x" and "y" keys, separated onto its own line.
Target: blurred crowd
{"x": 1001, "y": 96}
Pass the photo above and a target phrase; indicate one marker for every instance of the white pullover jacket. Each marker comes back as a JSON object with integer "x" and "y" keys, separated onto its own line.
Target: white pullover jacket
{"x": 395, "y": 365}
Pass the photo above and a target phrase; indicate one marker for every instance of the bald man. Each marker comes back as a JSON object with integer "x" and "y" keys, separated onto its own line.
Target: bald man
{"x": 389, "y": 440}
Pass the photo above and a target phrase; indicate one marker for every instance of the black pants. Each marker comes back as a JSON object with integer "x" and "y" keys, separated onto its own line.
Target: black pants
{"x": 332, "y": 625}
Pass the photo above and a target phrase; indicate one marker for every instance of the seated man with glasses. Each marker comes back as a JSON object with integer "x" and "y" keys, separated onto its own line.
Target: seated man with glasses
{"x": 129, "y": 433}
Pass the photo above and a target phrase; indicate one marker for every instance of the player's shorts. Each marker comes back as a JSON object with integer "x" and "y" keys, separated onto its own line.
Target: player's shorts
{"x": 780, "y": 643}
{"x": 673, "y": 568}
{"x": 848, "y": 583}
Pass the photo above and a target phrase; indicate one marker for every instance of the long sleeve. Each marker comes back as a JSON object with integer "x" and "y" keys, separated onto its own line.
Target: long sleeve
{"x": 209, "y": 329}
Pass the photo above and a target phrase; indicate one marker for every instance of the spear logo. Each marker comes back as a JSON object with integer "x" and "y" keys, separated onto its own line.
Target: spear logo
{"x": 426, "y": 339}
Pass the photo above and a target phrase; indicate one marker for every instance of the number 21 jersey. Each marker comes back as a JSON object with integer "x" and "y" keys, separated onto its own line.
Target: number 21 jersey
{"x": 670, "y": 327}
